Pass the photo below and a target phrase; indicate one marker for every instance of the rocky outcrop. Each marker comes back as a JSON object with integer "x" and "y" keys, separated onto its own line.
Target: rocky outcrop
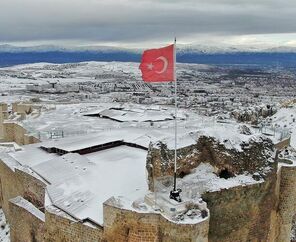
{"x": 252, "y": 115}
{"x": 255, "y": 158}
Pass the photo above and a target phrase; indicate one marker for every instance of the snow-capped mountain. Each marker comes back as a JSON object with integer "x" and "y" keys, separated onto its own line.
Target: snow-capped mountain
{"x": 182, "y": 48}
{"x": 48, "y": 48}
{"x": 200, "y": 54}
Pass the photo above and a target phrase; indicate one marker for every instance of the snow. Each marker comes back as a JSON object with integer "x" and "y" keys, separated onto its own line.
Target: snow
{"x": 208, "y": 48}
{"x": 161, "y": 204}
{"x": 67, "y": 118}
{"x": 9, "y": 161}
{"x": 287, "y": 157}
{"x": 4, "y": 228}
{"x": 9, "y": 146}
{"x": 4, "y": 148}
{"x": 70, "y": 120}
{"x": 192, "y": 216}
{"x": 32, "y": 155}
{"x": 21, "y": 202}
{"x": 285, "y": 120}
{"x": 293, "y": 232}
{"x": 63, "y": 167}
{"x": 81, "y": 184}
{"x": 204, "y": 179}
{"x": 83, "y": 71}
{"x": 136, "y": 115}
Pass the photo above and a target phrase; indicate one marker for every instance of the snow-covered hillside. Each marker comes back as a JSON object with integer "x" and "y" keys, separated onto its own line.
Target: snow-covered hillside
{"x": 286, "y": 118}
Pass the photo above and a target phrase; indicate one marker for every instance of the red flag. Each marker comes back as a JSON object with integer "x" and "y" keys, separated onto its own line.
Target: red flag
{"x": 157, "y": 65}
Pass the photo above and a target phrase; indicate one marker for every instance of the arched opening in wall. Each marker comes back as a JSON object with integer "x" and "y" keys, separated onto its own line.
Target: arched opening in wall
{"x": 293, "y": 231}
{"x": 225, "y": 173}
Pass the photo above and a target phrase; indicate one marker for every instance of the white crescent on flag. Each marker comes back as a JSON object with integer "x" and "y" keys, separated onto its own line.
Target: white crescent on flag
{"x": 165, "y": 64}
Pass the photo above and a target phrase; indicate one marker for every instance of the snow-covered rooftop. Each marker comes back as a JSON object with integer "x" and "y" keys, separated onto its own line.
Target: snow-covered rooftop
{"x": 71, "y": 122}
{"x": 81, "y": 184}
{"x": 137, "y": 115}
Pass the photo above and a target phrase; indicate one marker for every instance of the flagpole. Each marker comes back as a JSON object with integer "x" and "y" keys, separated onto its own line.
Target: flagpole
{"x": 176, "y": 108}
{"x": 175, "y": 193}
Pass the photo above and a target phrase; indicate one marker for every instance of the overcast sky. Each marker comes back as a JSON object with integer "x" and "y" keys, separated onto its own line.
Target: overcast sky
{"x": 147, "y": 22}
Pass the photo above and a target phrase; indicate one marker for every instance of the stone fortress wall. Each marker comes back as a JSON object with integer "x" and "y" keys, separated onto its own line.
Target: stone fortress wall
{"x": 241, "y": 213}
{"x": 26, "y": 221}
{"x": 125, "y": 225}
{"x": 287, "y": 202}
{"x": 15, "y": 182}
{"x": 61, "y": 227}
{"x": 3, "y": 116}
{"x": 12, "y": 131}
{"x": 259, "y": 212}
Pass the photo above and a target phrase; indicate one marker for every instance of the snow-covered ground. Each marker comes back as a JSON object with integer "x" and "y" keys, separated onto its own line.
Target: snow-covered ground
{"x": 203, "y": 179}
{"x": 293, "y": 232}
{"x": 285, "y": 119}
{"x": 4, "y": 149}
{"x": 69, "y": 120}
{"x": 4, "y": 228}
{"x": 81, "y": 183}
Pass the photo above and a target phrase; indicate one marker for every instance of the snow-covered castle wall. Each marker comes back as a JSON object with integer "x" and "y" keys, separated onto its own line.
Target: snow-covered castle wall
{"x": 126, "y": 225}
{"x": 14, "y": 132}
{"x": 3, "y": 117}
{"x": 61, "y": 227}
{"x": 26, "y": 221}
{"x": 15, "y": 182}
{"x": 283, "y": 143}
{"x": 11, "y": 131}
{"x": 242, "y": 213}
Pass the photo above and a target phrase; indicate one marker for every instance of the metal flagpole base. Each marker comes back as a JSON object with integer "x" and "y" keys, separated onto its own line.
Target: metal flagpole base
{"x": 175, "y": 193}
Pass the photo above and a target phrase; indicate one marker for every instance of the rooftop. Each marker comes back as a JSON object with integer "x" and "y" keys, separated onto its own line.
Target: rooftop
{"x": 80, "y": 184}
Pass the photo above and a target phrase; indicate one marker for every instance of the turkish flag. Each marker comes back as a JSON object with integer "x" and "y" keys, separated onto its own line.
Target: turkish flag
{"x": 158, "y": 65}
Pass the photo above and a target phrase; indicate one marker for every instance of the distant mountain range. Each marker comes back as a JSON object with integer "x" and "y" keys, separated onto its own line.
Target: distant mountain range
{"x": 280, "y": 56}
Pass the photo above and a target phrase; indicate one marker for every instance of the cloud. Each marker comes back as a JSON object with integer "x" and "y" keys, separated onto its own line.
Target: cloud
{"x": 134, "y": 21}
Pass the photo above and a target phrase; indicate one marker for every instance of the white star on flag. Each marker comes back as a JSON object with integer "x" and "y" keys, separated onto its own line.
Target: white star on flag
{"x": 150, "y": 66}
